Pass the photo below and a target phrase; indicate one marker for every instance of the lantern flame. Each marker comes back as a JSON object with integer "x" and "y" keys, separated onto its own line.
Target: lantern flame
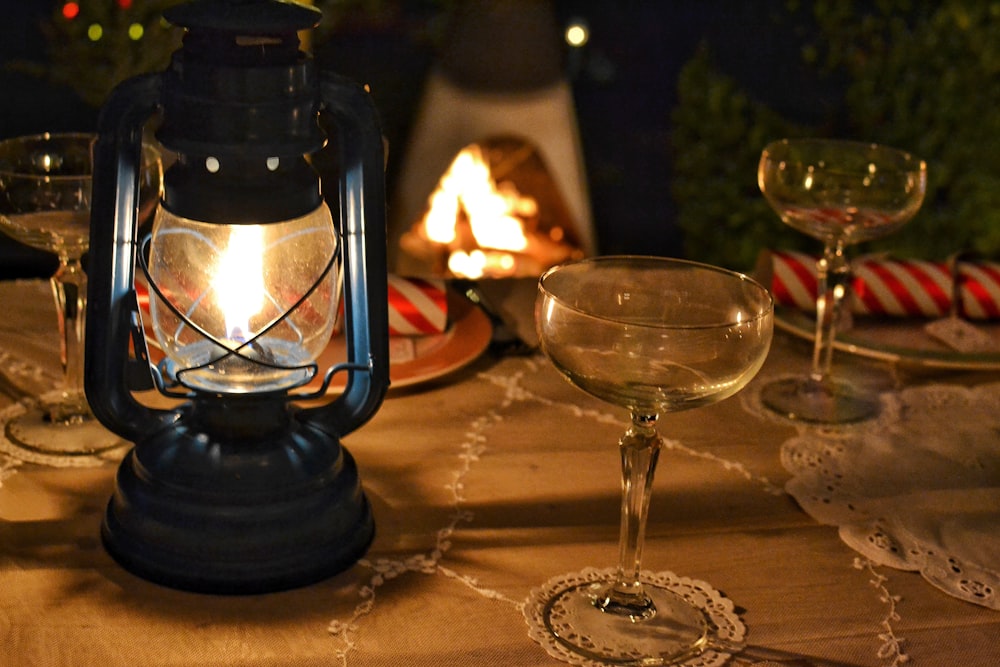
{"x": 239, "y": 280}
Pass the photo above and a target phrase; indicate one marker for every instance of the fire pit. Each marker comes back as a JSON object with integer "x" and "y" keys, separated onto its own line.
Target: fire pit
{"x": 495, "y": 213}
{"x": 492, "y": 181}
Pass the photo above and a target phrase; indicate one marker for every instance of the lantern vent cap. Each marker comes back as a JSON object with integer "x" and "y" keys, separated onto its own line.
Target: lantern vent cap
{"x": 245, "y": 17}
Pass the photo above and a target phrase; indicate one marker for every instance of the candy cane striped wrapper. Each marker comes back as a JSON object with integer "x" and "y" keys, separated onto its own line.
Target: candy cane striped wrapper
{"x": 417, "y": 306}
{"x": 897, "y": 288}
{"x": 793, "y": 278}
{"x": 979, "y": 289}
{"x": 902, "y": 288}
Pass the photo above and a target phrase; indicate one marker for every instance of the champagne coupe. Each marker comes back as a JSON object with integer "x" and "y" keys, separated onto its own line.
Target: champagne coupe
{"x": 840, "y": 192}
{"x": 45, "y": 189}
{"x": 652, "y": 335}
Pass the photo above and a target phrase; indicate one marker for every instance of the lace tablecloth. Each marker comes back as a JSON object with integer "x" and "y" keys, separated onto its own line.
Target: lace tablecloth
{"x": 917, "y": 489}
{"x": 484, "y": 485}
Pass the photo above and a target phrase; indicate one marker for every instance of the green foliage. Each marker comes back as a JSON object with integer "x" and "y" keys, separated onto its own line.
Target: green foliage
{"x": 718, "y": 135}
{"x": 94, "y": 51}
{"x": 921, "y": 75}
{"x": 93, "y": 66}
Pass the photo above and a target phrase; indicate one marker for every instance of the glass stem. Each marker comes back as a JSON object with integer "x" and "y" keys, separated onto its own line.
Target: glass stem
{"x": 640, "y": 449}
{"x": 833, "y": 283}
{"x": 69, "y": 287}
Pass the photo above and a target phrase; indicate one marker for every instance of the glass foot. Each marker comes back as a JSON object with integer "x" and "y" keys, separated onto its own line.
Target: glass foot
{"x": 689, "y": 624}
{"x": 31, "y": 434}
{"x": 828, "y": 402}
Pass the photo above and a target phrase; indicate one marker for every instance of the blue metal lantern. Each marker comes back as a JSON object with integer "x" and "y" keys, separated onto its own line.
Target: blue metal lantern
{"x": 243, "y": 488}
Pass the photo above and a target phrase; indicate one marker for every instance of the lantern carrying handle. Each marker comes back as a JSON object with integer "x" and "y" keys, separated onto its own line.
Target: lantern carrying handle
{"x": 111, "y": 302}
{"x": 363, "y": 231}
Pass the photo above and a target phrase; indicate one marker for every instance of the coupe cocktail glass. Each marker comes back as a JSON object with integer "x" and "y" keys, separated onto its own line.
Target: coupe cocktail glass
{"x": 654, "y": 336}
{"x": 840, "y": 192}
{"x": 45, "y": 184}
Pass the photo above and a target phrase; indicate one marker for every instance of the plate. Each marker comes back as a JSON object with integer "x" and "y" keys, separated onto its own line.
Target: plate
{"x": 900, "y": 341}
{"x": 414, "y": 360}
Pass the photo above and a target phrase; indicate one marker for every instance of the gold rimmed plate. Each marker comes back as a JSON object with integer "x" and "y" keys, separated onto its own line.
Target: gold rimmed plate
{"x": 415, "y": 360}
{"x": 899, "y": 341}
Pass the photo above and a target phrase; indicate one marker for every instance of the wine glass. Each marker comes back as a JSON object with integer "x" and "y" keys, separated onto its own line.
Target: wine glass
{"x": 652, "y": 335}
{"x": 840, "y": 192}
{"x": 45, "y": 190}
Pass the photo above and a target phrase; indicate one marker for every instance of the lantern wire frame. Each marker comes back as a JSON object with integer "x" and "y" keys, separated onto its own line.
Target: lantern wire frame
{"x": 168, "y": 389}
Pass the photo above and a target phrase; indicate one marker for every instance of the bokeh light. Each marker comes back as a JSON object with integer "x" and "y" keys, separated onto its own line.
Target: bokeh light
{"x": 577, "y": 33}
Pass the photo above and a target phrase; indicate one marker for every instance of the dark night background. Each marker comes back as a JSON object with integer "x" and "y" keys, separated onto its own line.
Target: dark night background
{"x": 624, "y": 82}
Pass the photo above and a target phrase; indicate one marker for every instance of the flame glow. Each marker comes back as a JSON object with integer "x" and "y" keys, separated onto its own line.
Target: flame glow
{"x": 480, "y": 223}
{"x": 491, "y": 210}
{"x": 478, "y": 263}
{"x": 239, "y": 280}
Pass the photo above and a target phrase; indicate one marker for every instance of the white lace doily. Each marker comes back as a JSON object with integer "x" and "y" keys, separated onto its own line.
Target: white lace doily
{"x": 916, "y": 489}
{"x": 23, "y": 381}
{"x": 724, "y": 625}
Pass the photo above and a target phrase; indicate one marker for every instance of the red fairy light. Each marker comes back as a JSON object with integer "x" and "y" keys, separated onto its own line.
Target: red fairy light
{"x": 70, "y": 11}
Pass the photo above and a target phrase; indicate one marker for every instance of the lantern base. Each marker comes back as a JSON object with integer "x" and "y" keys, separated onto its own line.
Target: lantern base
{"x": 253, "y": 510}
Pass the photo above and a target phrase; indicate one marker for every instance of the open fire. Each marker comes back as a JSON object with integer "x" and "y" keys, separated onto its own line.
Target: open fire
{"x": 495, "y": 213}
